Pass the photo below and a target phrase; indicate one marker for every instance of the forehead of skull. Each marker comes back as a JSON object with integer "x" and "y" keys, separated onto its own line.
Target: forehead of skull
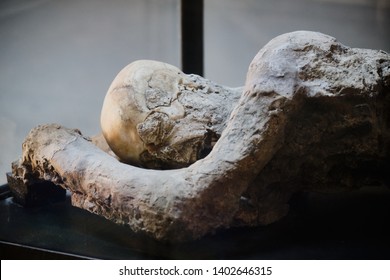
{"x": 144, "y": 74}
{"x": 153, "y": 84}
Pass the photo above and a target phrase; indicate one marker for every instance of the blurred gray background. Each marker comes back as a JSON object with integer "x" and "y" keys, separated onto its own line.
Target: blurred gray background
{"x": 58, "y": 57}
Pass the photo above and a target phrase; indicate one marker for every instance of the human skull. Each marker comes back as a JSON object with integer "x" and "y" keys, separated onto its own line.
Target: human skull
{"x": 155, "y": 116}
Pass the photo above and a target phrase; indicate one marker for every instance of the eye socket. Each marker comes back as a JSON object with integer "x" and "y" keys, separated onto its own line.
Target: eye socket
{"x": 155, "y": 129}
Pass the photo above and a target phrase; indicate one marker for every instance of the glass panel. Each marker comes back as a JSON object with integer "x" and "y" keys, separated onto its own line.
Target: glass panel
{"x": 236, "y": 30}
{"x": 58, "y": 58}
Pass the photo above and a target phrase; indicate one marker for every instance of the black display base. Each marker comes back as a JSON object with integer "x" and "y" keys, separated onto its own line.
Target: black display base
{"x": 351, "y": 225}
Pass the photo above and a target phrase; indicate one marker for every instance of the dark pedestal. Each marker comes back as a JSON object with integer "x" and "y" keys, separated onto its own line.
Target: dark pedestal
{"x": 351, "y": 225}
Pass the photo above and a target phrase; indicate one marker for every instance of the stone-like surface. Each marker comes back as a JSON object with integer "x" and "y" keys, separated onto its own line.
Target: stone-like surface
{"x": 313, "y": 115}
{"x": 337, "y": 138}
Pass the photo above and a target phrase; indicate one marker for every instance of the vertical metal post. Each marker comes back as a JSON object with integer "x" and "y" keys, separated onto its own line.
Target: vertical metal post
{"x": 191, "y": 12}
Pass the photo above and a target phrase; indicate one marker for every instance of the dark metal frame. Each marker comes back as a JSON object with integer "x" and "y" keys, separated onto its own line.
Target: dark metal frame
{"x": 191, "y": 14}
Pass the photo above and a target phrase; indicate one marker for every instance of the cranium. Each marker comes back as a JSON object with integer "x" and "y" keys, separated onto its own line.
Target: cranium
{"x": 156, "y": 116}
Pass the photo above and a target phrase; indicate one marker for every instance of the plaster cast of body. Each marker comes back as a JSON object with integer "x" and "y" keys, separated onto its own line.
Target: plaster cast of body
{"x": 313, "y": 116}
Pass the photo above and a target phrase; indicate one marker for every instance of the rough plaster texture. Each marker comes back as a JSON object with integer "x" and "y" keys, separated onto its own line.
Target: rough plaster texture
{"x": 313, "y": 115}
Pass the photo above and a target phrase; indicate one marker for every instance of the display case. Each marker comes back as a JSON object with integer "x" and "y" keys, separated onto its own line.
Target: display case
{"x": 211, "y": 38}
